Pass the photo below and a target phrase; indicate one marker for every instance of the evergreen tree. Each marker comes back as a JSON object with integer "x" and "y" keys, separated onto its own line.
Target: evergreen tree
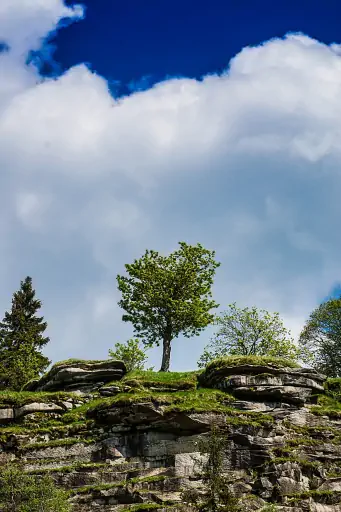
{"x": 21, "y": 338}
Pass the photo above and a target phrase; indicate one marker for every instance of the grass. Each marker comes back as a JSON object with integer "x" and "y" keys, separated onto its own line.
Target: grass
{"x": 70, "y": 468}
{"x": 172, "y": 380}
{"x": 327, "y": 497}
{"x": 302, "y": 462}
{"x": 20, "y": 398}
{"x": 197, "y": 400}
{"x": 276, "y": 362}
{"x": 103, "y": 487}
{"x": 56, "y": 443}
{"x": 327, "y": 406}
{"x": 143, "y": 507}
{"x": 80, "y": 361}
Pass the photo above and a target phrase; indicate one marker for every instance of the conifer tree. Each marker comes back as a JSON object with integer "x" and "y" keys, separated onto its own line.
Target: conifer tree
{"x": 21, "y": 338}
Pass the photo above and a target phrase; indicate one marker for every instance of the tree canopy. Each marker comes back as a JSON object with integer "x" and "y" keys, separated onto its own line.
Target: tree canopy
{"x": 21, "y": 338}
{"x": 165, "y": 296}
{"x": 247, "y": 332}
{"x": 131, "y": 354}
{"x": 321, "y": 336}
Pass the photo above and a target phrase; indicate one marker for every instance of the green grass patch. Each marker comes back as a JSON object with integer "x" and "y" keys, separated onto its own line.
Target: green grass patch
{"x": 55, "y": 443}
{"x": 196, "y": 401}
{"x": 132, "y": 481}
{"x": 201, "y": 400}
{"x": 327, "y": 497}
{"x": 20, "y": 398}
{"x": 143, "y": 507}
{"x": 327, "y": 406}
{"x": 226, "y": 361}
{"x": 303, "y": 441}
{"x": 302, "y": 462}
{"x": 87, "y": 489}
{"x": 71, "y": 361}
{"x": 173, "y": 380}
{"x": 78, "y": 466}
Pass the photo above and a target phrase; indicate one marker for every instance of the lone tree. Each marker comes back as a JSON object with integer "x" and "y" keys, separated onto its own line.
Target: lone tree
{"x": 249, "y": 332}
{"x": 164, "y": 296}
{"x": 21, "y": 338}
{"x": 321, "y": 336}
{"x": 133, "y": 356}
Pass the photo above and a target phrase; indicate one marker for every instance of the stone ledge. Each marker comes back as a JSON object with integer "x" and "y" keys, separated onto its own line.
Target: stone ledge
{"x": 78, "y": 376}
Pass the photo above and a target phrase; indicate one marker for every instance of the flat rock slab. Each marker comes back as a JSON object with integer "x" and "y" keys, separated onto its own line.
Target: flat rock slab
{"x": 38, "y": 407}
{"x": 79, "y": 375}
{"x": 268, "y": 383}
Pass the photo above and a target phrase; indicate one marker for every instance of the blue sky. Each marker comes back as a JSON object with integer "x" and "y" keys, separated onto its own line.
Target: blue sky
{"x": 126, "y": 126}
{"x": 129, "y": 41}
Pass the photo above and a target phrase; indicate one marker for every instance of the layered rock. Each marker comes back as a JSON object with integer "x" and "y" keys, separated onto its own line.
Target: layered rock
{"x": 142, "y": 449}
{"x": 79, "y": 375}
{"x": 266, "y": 383}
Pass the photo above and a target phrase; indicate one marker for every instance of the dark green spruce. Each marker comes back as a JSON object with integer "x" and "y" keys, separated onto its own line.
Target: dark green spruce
{"x": 22, "y": 339}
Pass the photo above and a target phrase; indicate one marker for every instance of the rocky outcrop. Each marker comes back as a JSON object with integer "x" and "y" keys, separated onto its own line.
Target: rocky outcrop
{"x": 76, "y": 375}
{"x": 141, "y": 449}
{"x": 266, "y": 383}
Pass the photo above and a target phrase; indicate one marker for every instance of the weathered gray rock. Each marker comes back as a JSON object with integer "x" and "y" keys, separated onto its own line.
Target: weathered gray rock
{"x": 38, "y": 407}
{"x": 265, "y": 383}
{"x": 79, "y": 375}
{"x": 6, "y": 415}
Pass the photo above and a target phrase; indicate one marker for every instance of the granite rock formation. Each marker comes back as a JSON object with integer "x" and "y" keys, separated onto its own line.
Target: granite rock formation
{"x": 75, "y": 375}
{"x": 139, "y": 447}
{"x": 261, "y": 382}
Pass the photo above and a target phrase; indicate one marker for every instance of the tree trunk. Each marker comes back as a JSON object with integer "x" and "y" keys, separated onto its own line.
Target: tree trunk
{"x": 166, "y": 354}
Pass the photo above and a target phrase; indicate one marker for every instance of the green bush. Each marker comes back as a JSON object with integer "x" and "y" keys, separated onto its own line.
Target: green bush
{"x": 20, "y": 492}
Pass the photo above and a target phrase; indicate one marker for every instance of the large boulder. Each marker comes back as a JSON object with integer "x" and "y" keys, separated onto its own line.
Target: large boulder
{"x": 78, "y": 375}
{"x": 265, "y": 383}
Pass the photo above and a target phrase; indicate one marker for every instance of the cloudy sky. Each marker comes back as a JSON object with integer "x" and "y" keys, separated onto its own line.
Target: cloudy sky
{"x": 234, "y": 143}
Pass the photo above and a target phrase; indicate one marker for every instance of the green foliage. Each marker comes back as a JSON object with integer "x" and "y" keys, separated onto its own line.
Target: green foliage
{"x": 276, "y": 362}
{"x": 165, "y": 296}
{"x": 332, "y": 387}
{"x": 321, "y": 336}
{"x": 20, "y": 492}
{"x": 249, "y": 332}
{"x": 217, "y": 498}
{"x": 130, "y": 352}
{"x": 21, "y": 338}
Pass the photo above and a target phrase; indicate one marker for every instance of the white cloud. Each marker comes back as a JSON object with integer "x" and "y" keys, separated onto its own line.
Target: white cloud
{"x": 23, "y": 23}
{"x": 248, "y": 163}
